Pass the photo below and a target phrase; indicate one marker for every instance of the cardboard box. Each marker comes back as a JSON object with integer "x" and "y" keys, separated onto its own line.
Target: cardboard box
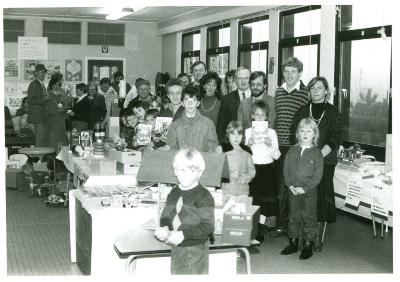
{"x": 128, "y": 168}
{"x": 15, "y": 164}
{"x": 129, "y": 156}
{"x": 104, "y": 166}
{"x": 247, "y": 220}
{"x": 11, "y": 177}
{"x": 219, "y": 214}
{"x": 240, "y": 237}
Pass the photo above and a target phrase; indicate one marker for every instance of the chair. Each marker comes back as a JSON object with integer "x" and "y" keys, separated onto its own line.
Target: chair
{"x": 144, "y": 264}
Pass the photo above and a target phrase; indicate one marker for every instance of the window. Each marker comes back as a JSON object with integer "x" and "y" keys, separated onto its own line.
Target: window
{"x": 62, "y": 32}
{"x": 106, "y": 34}
{"x": 363, "y": 75}
{"x": 253, "y": 43}
{"x": 218, "y": 42}
{"x": 190, "y": 50}
{"x": 300, "y": 37}
{"x": 13, "y": 29}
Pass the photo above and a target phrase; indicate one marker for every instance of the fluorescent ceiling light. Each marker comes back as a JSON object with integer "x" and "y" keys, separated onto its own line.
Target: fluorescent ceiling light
{"x": 116, "y": 15}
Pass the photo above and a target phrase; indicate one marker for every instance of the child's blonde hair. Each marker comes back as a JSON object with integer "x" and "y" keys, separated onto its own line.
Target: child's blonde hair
{"x": 189, "y": 158}
{"x": 308, "y": 122}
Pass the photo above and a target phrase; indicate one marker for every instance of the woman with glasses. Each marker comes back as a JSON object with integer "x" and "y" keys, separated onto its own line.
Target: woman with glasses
{"x": 330, "y": 125}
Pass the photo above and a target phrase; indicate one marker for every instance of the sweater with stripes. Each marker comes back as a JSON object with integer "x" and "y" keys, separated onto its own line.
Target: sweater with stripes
{"x": 286, "y": 106}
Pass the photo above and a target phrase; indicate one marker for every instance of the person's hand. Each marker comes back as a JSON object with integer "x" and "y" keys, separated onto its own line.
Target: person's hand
{"x": 267, "y": 141}
{"x": 161, "y": 233}
{"x": 293, "y": 190}
{"x": 175, "y": 238}
{"x": 300, "y": 190}
{"x": 251, "y": 141}
{"x": 243, "y": 179}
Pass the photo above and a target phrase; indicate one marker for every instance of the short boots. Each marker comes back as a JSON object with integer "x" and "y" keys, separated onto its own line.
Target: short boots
{"x": 292, "y": 248}
{"x": 307, "y": 250}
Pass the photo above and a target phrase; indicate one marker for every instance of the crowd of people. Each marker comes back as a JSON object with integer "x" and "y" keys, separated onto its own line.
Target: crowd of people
{"x": 289, "y": 173}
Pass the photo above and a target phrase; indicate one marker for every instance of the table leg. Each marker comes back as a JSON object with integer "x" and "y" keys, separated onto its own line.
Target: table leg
{"x": 247, "y": 257}
{"x": 67, "y": 192}
{"x": 373, "y": 225}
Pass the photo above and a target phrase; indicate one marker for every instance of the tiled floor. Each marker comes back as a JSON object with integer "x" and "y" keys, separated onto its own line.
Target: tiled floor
{"x": 38, "y": 244}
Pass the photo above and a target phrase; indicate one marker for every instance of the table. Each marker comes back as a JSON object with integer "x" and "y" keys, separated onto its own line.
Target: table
{"x": 15, "y": 142}
{"x": 341, "y": 180}
{"x": 39, "y": 152}
{"x": 93, "y": 229}
{"x": 134, "y": 243}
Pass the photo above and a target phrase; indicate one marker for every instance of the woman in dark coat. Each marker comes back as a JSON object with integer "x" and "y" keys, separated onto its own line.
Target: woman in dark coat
{"x": 330, "y": 126}
{"x": 56, "y": 112}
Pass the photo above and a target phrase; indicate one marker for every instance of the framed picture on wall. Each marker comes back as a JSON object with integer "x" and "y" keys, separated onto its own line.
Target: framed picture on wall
{"x": 73, "y": 70}
{"x": 11, "y": 68}
{"x": 97, "y": 68}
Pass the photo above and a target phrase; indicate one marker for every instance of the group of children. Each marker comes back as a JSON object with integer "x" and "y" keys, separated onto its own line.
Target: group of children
{"x": 251, "y": 174}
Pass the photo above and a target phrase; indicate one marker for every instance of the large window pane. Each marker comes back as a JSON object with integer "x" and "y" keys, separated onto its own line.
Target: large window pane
{"x": 364, "y": 16}
{"x": 191, "y": 42}
{"x": 308, "y": 55}
{"x": 218, "y": 64}
{"x": 219, "y": 37}
{"x": 365, "y": 82}
{"x": 254, "y": 60}
{"x": 254, "y": 32}
{"x": 301, "y": 24}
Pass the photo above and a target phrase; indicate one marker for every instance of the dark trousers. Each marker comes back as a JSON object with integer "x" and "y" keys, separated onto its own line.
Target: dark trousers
{"x": 303, "y": 215}
{"x": 189, "y": 260}
{"x": 283, "y": 196}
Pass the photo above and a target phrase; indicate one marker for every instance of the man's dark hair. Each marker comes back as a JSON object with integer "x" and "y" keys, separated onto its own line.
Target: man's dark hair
{"x": 191, "y": 91}
{"x": 195, "y": 64}
{"x": 256, "y": 74}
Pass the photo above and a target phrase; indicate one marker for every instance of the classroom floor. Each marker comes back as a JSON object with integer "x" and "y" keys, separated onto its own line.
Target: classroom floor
{"x": 38, "y": 244}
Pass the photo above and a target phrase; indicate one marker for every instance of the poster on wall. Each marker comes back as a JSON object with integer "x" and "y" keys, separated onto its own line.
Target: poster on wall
{"x": 29, "y": 69}
{"x": 188, "y": 62}
{"x": 52, "y": 66}
{"x": 11, "y": 68}
{"x": 13, "y": 94}
{"x": 73, "y": 70}
{"x": 218, "y": 64}
{"x": 32, "y": 48}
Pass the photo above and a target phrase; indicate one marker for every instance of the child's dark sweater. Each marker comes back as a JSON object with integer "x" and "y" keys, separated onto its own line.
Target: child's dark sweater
{"x": 303, "y": 170}
{"x": 196, "y": 215}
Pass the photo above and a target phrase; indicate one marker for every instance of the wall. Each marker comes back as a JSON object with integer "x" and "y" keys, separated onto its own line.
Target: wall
{"x": 168, "y": 58}
{"x": 142, "y": 49}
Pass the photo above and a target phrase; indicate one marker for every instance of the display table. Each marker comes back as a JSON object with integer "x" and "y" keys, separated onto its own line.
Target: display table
{"x": 140, "y": 243}
{"x": 93, "y": 229}
{"x": 341, "y": 179}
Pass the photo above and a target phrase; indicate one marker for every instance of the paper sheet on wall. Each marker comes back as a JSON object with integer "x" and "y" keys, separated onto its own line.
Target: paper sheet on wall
{"x": 11, "y": 68}
{"x": 380, "y": 197}
{"x": 32, "y": 48}
{"x": 354, "y": 192}
{"x": 104, "y": 72}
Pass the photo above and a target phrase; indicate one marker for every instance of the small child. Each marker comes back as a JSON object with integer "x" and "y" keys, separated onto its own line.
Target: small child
{"x": 241, "y": 167}
{"x": 139, "y": 108}
{"x": 263, "y": 187}
{"x": 188, "y": 217}
{"x": 303, "y": 170}
{"x": 130, "y": 121}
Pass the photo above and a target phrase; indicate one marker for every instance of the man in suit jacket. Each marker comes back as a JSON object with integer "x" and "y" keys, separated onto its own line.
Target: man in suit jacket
{"x": 258, "y": 86}
{"x": 231, "y": 101}
{"x": 97, "y": 108}
{"x": 36, "y": 101}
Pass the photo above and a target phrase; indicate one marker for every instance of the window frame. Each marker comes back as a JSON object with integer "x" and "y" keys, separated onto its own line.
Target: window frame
{"x": 256, "y": 46}
{"x": 354, "y": 35}
{"x": 189, "y": 54}
{"x": 45, "y": 34}
{"x": 217, "y": 50}
{"x": 4, "y": 30}
{"x": 304, "y": 40}
{"x": 104, "y": 34}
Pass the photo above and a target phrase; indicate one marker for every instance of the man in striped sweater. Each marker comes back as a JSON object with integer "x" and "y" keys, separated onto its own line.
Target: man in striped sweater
{"x": 288, "y": 99}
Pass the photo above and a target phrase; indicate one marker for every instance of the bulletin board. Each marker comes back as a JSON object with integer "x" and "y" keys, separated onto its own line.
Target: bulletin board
{"x": 97, "y": 68}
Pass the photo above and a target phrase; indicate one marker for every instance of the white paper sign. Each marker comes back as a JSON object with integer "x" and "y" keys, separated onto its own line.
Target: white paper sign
{"x": 104, "y": 72}
{"x": 380, "y": 200}
{"x": 354, "y": 192}
{"x": 32, "y": 48}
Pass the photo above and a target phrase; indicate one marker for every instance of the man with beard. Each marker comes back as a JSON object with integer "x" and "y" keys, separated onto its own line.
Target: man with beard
{"x": 258, "y": 86}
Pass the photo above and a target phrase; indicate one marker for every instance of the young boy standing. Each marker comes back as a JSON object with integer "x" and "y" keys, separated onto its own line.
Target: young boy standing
{"x": 188, "y": 217}
{"x": 192, "y": 129}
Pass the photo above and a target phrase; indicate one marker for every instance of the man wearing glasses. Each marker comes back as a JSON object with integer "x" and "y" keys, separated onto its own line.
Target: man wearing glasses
{"x": 36, "y": 105}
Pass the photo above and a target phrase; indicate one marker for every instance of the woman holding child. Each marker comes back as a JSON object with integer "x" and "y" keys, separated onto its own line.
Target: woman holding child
{"x": 330, "y": 126}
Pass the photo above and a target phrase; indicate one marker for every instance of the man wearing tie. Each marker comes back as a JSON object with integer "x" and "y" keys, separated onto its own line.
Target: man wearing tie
{"x": 231, "y": 101}
{"x": 36, "y": 101}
